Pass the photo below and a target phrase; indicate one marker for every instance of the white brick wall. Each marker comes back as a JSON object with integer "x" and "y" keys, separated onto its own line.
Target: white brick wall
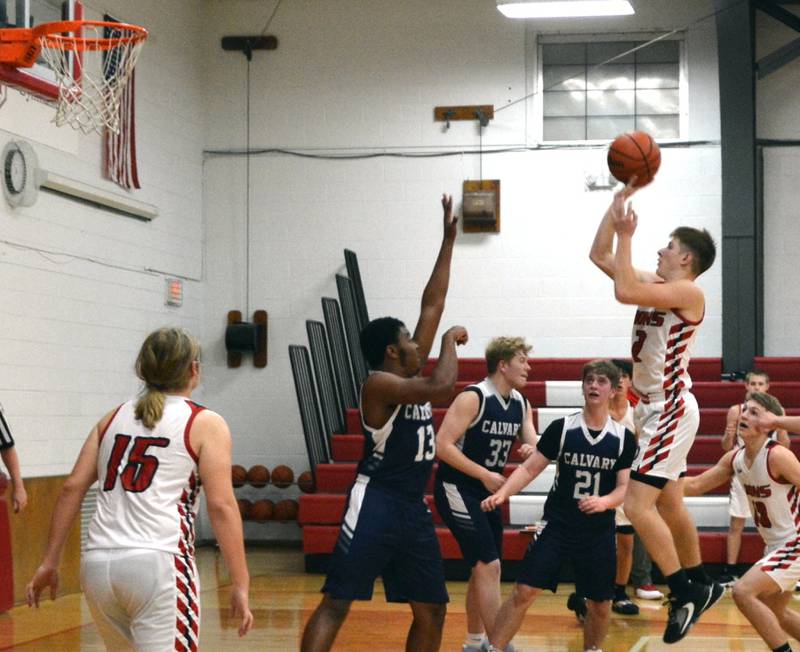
{"x": 355, "y": 74}
{"x": 347, "y": 75}
{"x": 70, "y": 327}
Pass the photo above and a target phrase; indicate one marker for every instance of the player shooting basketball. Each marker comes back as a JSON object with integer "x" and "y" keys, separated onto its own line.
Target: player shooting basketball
{"x": 671, "y": 306}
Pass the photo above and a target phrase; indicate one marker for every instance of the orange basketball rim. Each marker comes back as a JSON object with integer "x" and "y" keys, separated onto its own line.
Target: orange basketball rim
{"x": 92, "y": 62}
{"x": 21, "y": 46}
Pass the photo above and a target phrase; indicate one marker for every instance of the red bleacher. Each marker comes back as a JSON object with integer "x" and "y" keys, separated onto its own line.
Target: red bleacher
{"x": 321, "y": 513}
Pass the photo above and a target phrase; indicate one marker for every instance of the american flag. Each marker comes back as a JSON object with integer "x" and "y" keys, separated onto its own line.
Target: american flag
{"x": 119, "y": 149}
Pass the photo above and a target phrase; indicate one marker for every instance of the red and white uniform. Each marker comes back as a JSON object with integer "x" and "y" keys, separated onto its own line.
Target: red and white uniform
{"x": 627, "y": 421}
{"x": 738, "y": 505}
{"x": 138, "y": 570}
{"x": 776, "y": 511}
{"x": 667, "y": 416}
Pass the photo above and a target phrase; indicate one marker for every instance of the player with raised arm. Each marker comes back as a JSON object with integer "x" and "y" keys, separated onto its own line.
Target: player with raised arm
{"x": 387, "y": 528}
{"x": 770, "y": 475}
{"x": 473, "y": 445}
{"x": 593, "y": 454}
{"x": 671, "y": 306}
{"x": 150, "y": 456}
{"x": 738, "y": 506}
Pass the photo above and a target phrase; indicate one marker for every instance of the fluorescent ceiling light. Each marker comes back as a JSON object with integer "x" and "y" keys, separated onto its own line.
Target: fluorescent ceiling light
{"x": 565, "y": 8}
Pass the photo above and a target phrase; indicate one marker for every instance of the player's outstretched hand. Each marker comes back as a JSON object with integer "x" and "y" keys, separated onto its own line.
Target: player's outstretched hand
{"x": 764, "y": 420}
{"x": 526, "y": 450}
{"x": 45, "y": 576}
{"x": 240, "y": 610}
{"x": 624, "y": 217}
{"x": 593, "y": 504}
{"x": 493, "y": 481}
{"x": 459, "y": 335}
{"x": 450, "y": 220}
{"x": 492, "y": 502}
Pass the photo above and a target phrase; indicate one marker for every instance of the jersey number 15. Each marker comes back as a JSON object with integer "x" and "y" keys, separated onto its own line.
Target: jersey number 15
{"x": 141, "y": 468}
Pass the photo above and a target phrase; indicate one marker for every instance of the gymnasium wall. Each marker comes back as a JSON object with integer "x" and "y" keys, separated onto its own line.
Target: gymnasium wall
{"x": 82, "y": 286}
{"x": 778, "y": 99}
{"x": 357, "y": 76}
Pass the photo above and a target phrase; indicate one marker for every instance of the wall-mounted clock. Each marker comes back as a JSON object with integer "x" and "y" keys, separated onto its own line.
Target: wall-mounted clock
{"x": 20, "y": 183}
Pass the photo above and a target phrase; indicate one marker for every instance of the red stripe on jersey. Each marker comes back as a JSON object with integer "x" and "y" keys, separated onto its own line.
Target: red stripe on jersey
{"x": 104, "y": 430}
{"x": 689, "y": 321}
{"x": 196, "y": 409}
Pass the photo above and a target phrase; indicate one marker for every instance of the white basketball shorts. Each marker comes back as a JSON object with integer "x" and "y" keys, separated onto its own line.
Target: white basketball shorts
{"x": 782, "y": 564}
{"x": 143, "y": 600}
{"x": 667, "y": 429}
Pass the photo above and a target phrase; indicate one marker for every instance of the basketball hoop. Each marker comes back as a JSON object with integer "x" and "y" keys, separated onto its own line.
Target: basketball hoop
{"x": 92, "y": 62}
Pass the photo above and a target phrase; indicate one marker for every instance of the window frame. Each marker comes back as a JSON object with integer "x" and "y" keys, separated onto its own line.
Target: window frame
{"x": 549, "y": 39}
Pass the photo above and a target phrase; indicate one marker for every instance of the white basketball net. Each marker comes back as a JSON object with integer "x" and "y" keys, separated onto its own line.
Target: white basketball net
{"x": 91, "y": 76}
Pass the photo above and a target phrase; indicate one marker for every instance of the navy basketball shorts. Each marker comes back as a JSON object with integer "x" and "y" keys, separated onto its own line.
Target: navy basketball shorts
{"x": 592, "y": 552}
{"x": 479, "y": 534}
{"x": 391, "y": 536}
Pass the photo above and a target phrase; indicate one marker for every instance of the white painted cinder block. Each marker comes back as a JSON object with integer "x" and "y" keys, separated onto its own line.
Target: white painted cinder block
{"x": 707, "y": 511}
{"x": 566, "y": 393}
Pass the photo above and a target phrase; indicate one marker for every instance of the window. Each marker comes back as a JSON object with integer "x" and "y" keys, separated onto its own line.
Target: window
{"x": 639, "y": 91}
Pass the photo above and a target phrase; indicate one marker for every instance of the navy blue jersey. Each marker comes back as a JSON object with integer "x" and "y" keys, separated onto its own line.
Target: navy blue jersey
{"x": 489, "y": 438}
{"x": 587, "y": 462}
{"x": 399, "y": 456}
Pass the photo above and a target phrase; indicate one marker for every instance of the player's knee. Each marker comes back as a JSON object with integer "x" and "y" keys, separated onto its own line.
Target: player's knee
{"x": 524, "y": 595}
{"x": 633, "y": 509}
{"x": 490, "y": 571}
{"x": 335, "y": 609}
{"x": 599, "y": 609}
{"x": 740, "y": 594}
{"x": 431, "y": 615}
{"x": 625, "y": 543}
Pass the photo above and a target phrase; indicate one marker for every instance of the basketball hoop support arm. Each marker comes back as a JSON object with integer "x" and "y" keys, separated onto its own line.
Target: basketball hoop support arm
{"x": 247, "y": 44}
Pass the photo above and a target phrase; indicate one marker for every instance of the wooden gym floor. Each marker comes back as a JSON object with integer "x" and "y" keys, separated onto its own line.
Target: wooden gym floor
{"x": 283, "y": 596}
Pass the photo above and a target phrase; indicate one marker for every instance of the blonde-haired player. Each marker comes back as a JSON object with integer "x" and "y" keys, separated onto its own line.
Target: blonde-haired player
{"x": 149, "y": 457}
{"x": 770, "y": 475}
{"x": 473, "y": 444}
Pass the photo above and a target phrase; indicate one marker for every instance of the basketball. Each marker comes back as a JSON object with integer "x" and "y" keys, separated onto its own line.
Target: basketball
{"x": 285, "y": 510}
{"x": 244, "y": 508}
{"x": 282, "y": 476}
{"x": 258, "y": 475}
{"x": 262, "y": 510}
{"x": 634, "y": 153}
{"x": 238, "y": 475}
{"x": 306, "y": 482}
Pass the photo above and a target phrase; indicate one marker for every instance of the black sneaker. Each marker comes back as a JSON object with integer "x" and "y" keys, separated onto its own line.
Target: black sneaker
{"x": 625, "y": 607}
{"x": 684, "y": 613}
{"x": 727, "y": 579}
{"x": 577, "y": 604}
{"x": 717, "y": 591}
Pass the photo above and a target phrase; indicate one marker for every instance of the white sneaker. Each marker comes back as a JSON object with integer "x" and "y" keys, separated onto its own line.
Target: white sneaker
{"x": 648, "y": 592}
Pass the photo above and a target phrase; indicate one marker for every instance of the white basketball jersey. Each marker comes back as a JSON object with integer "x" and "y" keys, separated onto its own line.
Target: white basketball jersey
{"x": 774, "y": 504}
{"x": 148, "y": 481}
{"x": 661, "y": 347}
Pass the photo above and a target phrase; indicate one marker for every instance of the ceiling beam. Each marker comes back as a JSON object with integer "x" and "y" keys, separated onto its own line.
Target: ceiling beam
{"x": 778, "y": 59}
{"x": 779, "y": 13}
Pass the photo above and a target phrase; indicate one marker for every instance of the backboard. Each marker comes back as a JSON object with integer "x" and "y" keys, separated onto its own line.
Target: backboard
{"x": 38, "y": 80}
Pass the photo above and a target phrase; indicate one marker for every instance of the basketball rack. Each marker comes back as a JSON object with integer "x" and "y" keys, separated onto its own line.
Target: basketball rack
{"x": 92, "y": 62}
